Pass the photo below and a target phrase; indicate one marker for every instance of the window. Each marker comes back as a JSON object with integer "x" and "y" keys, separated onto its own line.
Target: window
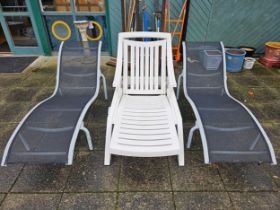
{"x": 21, "y": 31}
{"x": 56, "y": 5}
{"x": 13, "y": 5}
{"x": 90, "y": 5}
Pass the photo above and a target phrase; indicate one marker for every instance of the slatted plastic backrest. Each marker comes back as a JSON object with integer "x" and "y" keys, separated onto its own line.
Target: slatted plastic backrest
{"x": 144, "y": 67}
{"x": 147, "y": 72}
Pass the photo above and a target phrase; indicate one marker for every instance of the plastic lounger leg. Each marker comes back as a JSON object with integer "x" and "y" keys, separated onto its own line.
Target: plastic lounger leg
{"x": 89, "y": 140}
{"x": 107, "y": 158}
{"x": 179, "y": 85}
{"x": 191, "y": 135}
{"x": 181, "y": 156}
{"x": 104, "y": 86}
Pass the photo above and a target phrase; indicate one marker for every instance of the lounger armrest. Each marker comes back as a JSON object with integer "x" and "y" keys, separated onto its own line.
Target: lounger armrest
{"x": 174, "y": 106}
{"x": 115, "y": 102}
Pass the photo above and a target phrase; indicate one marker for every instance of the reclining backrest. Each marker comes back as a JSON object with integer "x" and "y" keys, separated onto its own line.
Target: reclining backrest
{"x": 78, "y": 70}
{"x": 204, "y": 68}
{"x": 144, "y": 63}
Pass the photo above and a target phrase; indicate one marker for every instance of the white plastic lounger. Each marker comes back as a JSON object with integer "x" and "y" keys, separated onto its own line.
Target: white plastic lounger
{"x": 144, "y": 119}
{"x": 228, "y": 129}
{"x": 48, "y": 133}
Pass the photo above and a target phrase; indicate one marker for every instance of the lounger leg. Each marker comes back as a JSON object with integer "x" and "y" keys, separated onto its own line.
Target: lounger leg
{"x": 191, "y": 135}
{"x": 89, "y": 140}
{"x": 179, "y": 85}
{"x": 107, "y": 158}
{"x": 104, "y": 86}
{"x": 181, "y": 156}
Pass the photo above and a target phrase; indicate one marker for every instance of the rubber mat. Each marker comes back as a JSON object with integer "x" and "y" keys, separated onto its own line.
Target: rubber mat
{"x": 15, "y": 64}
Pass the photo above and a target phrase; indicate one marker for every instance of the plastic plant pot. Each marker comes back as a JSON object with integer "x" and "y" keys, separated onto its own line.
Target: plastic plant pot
{"x": 234, "y": 59}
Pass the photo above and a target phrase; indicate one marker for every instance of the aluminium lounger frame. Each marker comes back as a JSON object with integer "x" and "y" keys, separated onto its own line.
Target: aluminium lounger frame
{"x": 80, "y": 123}
{"x": 198, "y": 124}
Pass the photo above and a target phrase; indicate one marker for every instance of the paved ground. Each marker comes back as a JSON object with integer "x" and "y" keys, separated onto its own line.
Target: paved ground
{"x": 136, "y": 183}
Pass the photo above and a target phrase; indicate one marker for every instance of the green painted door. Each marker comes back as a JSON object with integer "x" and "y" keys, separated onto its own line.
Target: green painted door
{"x": 19, "y": 27}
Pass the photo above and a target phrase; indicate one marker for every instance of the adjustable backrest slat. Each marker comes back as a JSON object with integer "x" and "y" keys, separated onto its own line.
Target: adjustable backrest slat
{"x": 163, "y": 68}
{"x": 142, "y": 57}
{"x": 137, "y": 68}
{"x": 151, "y": 68}
{"x": 132, "y": 67}
{"x": 156, "y": 71}
{"x": 125, "y": 67}
{"x": 147, "y": 60}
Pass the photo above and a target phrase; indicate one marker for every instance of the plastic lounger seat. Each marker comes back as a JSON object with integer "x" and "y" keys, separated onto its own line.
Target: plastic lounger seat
{"x": 48, "y": 133}
{"x": 144, "y": 118}
{"x": 229, "y": 131}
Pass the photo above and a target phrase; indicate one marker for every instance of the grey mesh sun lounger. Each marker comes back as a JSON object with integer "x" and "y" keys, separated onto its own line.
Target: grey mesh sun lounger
{"x": 229, "y": 131}
{"x": 48, "y": 133}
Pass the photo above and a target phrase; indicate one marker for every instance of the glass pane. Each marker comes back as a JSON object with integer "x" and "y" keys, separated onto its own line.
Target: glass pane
{"x": 90, "y": 5}
{"x": 21, "y": 31}
{"x": 13, "y": 5}
{"x": 56, "y": 5}
{"x": 4, "y": 46}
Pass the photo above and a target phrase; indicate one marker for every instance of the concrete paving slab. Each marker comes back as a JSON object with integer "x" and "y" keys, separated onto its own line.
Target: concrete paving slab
{"x": 271, "y": 81}
{"x": 195, "y": 175}
{"x": 83, "y": 201}
{"x": 9, "y": 112}
{"x": 38, "y": 80}
{"x": 249, "y": 80}
{"x": 260, "y": 70}
{"x": 2, "y": 196}
{"x": 272, "y": 111}
{"x": 6, "y": 131}
{"x": 254, "y": 201}
{"x": 145, "y": 200}
{"x": 245, "y": 177}
{"x": 42, "y": 178}
{"x": 273, "y": 132}
{"x": 259, "y": 111}
{"x": 11, "y": 80}
{"x": 89, "y": 174}
{"x": 8, "y": 176}
{"x": 260, "y": 95}
{"x": 202, "y": 200}
{"x": 97, "y": 114}
{"x": 26, "y": 106}
{"x": 21, "y": 94}
{"x": 31, "y": 201}
{"x": 144, "y": 174}
{"x": 196, "y": 140}
{"x": 43, "y": 94}
{"x": 98, "y": 133}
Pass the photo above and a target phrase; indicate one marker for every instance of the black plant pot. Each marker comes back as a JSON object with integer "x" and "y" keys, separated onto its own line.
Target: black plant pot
{"x": 249, "y": 50}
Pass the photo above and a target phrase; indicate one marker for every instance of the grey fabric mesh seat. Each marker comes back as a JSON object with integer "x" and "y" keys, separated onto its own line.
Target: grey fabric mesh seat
{"x": 49, "y": 131}
{"x": 229, "y": 131}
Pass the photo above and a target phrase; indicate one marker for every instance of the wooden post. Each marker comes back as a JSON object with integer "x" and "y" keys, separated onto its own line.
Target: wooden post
{"x": 123, "y": 15}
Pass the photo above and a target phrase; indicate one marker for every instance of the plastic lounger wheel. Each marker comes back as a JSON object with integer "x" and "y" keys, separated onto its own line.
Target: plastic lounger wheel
{"x": 48, "y": 133}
